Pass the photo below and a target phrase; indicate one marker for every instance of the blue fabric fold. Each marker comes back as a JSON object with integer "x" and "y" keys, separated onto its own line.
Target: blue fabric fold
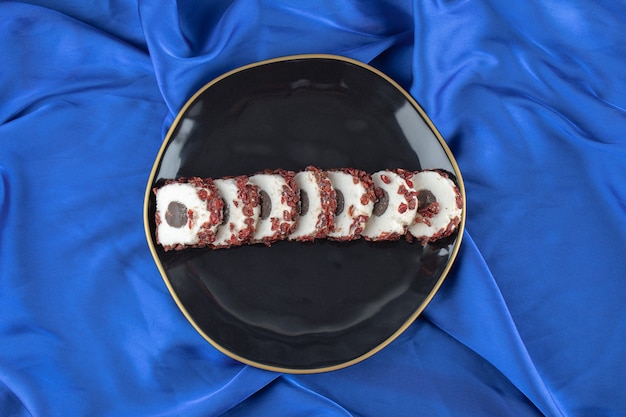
{"x": 188, "y": 53}
{"x": 529, "y": 97}
{"x": 10, "y": 405}
{"x": 472, "y": 310}
{"x": 285, "y": 397}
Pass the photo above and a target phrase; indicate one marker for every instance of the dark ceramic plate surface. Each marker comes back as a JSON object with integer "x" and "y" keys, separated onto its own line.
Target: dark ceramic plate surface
{"x": 302, "y": 307}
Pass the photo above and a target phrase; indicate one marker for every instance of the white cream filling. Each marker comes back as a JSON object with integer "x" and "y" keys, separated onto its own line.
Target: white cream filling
{"x": 236, "y": 221}
{"x": 307, "y": 222}
{"x": 272, "y": 184}
{"x": 444, "y": 191}
{"x": 185, "y": 194}
{"x": 398, "y": 214}
{"x": 352, "y": 207}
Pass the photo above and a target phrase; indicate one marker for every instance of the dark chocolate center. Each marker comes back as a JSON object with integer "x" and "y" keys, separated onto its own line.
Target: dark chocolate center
{"x": 424, "y": 199}
{"x": 303, "y": 203}
{"x": 176, "y": 214}
{"x": 225, "y": 213}
{"x": 380, "y": 206}
{"x": 266, "y": 204}
{"x": 340, "y": 202}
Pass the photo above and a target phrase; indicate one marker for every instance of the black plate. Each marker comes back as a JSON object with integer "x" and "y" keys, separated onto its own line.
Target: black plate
{"x": 302, "y": 307}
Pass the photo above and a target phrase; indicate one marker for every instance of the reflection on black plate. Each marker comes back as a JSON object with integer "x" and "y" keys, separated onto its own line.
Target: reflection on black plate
{"x": 302, "y": 307}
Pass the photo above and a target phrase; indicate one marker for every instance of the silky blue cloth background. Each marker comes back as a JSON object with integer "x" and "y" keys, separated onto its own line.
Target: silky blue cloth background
{"x": 531, "y": 98}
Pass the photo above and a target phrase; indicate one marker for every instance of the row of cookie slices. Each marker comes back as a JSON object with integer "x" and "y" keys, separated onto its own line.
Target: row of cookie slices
{"x": 337, "y": 204}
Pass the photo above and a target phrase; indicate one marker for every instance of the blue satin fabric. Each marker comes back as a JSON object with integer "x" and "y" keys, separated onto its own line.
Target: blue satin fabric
{"x": 528, "y": 95}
